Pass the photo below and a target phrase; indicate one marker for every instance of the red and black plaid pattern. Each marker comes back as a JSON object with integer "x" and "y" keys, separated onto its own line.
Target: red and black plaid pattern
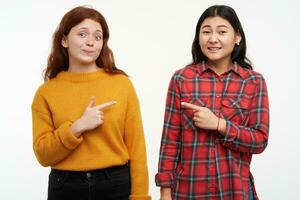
{"x": 203, "y": 164}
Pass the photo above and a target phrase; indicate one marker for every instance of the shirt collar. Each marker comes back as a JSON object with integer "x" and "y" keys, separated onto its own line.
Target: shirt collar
{"x": 202, "y": 67}
{"x": 234, "y": 67}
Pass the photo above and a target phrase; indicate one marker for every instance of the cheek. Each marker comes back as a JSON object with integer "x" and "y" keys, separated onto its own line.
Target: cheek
{"x": 229, "y": 42}
{"x": 99, "y": 46}
{"x": 230, "y": 46}
{"x": 202, "y": 43}
{"x": 203, "y": 48}
{"x": 73, "y": 49}
{"x": 75, "y": 45}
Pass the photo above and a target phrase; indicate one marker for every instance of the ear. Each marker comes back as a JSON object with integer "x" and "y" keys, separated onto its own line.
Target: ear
{"x": 64, "y": 42}
{"x": 238, "y": 37}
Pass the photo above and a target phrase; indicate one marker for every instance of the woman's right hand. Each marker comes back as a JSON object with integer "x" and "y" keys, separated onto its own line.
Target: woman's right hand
{"x": 165, "y": 193}
{"x": 91, "y": 118}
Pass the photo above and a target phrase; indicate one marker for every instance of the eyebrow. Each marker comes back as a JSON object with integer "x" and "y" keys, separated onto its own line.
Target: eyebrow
{"x": 98, "y": 30}
{"x": 219, "y": 26}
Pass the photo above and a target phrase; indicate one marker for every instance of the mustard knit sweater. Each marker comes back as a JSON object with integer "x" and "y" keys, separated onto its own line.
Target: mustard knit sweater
{"x": 61, "y": 101}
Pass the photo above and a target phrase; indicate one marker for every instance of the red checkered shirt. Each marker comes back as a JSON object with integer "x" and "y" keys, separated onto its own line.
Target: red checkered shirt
{"x": 203, "y": 164}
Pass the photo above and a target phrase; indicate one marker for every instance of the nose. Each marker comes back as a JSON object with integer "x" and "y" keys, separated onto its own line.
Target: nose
{"x": 90, "y": 41}
{"x": 213, "y": 38}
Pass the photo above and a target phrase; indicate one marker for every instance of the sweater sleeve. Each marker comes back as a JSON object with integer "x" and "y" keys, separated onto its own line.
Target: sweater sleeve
{"x": 50, "y": 144}
{"x": 135, "y": 142}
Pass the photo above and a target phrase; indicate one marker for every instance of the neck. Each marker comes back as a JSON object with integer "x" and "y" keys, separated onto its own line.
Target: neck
{"x": 220, "y": 67}
{"x": 82, "y": 67}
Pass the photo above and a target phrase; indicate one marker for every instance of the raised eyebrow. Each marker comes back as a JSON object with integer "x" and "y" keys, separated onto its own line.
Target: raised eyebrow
{"x": 99, "y": 31}
{"x": 85, "y": 28}
{"x": 82, "y": 28}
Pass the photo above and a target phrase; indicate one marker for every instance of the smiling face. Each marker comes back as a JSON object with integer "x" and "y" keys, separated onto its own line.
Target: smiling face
{"x": 84, "y": 44}
{"x": 217, "y": 39}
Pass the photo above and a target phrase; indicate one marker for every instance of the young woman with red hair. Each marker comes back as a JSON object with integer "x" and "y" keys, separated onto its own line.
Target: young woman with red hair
{"x": 86, "y": 118}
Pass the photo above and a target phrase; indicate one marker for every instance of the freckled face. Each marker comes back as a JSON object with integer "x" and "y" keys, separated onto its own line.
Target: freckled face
{"x": 84, "y": 42}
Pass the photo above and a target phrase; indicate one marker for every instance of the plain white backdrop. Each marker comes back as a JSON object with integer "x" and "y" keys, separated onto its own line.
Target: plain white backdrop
{"x": 150, "y": 40}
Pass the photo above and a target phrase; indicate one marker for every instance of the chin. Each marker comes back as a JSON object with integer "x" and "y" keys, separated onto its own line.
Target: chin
{"x": 87, "y": 60}
{"x": 214, "y": 58}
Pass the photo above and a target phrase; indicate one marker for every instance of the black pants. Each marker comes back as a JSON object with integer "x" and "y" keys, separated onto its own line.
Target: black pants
{"x": 106, "y": 184}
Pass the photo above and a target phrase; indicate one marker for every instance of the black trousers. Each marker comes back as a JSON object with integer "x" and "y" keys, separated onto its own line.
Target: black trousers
{"x": 105, "y": 184}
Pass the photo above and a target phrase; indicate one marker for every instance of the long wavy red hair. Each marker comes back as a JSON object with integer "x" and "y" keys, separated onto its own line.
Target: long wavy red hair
{"x": 58, "y": 59}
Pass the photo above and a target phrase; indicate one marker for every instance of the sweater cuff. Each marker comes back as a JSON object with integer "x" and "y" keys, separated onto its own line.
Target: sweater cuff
{"x": 164, "y": 179}
{"x": 66, "y": 136}
{"x": 139, "y": 197}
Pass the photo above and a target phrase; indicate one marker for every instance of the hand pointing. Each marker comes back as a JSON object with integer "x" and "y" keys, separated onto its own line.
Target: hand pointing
{"x": 203, "y": 117}
{"x": 91, "y": 118}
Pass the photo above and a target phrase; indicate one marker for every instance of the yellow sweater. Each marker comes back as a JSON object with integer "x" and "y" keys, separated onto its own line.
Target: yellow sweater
{"x": 62, "y": 100}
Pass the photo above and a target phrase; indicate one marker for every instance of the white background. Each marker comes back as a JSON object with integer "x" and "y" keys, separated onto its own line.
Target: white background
{"x": 150, "y": 40}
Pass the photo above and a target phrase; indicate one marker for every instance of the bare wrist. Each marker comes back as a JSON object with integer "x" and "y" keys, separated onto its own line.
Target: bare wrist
{"x": 165, "y": 193}
{"x": 77, "y": 128}
{"x": 222, "y": 126}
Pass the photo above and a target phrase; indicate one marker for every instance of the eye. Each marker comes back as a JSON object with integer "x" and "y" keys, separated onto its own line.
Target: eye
{"x": 82, "y": 34}
{"x": 98, "y": 37}
{"x": 222, "y": 32}
{"x": 205, "y": 32}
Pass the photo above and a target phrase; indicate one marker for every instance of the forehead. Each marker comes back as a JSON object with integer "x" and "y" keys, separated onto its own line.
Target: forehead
{"x": 215, "y": 22}
{"x": 88, "y": 24}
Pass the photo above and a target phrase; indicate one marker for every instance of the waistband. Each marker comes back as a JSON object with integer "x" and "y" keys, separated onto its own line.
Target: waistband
{"x": 93, "y": 173}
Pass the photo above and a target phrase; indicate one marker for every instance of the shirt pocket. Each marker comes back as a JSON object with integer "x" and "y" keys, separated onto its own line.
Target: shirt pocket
{"x": 188, "y": 114}
{"x": 236, "y": 109}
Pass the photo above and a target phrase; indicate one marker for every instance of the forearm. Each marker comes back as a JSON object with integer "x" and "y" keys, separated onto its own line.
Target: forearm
{"x": 165, "y": 193}
{"x": 135, "y": 142}
{"x": 51, "y": 147}
{"x": 168, "y": 159}
{"x": 139, "y": 171}
{"x": 77, "y": 128}
{"x": 242, "y": 138}
{"x": 139, "y": 179}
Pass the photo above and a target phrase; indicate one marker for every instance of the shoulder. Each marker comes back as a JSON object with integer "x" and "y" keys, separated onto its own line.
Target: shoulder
{"x": 43, "y": 91}
{"x": 122, "y": 84}
{"x": 187, "y": 72}
{"x": 44, "y": 87}
{"x": 47, "y": 86}
{"x": 251, "y": 75}
{"x": 121, "y": 80}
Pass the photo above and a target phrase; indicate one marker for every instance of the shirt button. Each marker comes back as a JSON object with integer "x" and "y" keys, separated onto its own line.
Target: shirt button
{"x": 89, "y": 175}
{"x": 218, "y": 96}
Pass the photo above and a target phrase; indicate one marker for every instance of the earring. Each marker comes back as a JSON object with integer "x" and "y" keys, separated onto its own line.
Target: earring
{"x": 237, "y": 43}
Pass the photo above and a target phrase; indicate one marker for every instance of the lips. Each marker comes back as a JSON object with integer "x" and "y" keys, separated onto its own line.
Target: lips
{"x": 88, "y": 51}
{"x": 213, "y": 49}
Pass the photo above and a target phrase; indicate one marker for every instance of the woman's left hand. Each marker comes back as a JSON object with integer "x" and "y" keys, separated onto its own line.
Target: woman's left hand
{"x": 203, "y": 117}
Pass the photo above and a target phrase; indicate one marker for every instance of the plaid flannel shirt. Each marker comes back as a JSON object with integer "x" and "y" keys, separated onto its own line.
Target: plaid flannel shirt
{"x": 203, "y": 164}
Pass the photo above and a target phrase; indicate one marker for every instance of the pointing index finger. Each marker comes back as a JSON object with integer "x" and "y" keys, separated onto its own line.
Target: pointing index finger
{"x": 105, "y": 105}
{"x": 189, "y": 105}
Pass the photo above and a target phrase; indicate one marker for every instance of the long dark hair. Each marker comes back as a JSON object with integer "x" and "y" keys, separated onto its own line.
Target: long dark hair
{"x": 58, "y": 59}
{"x": 239, "y": 52}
